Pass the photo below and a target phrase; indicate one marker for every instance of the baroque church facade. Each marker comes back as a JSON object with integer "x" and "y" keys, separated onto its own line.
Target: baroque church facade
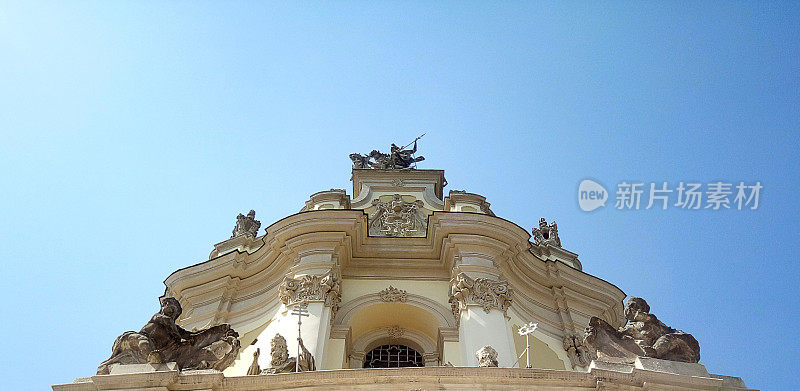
{"x": 398, "y": 285}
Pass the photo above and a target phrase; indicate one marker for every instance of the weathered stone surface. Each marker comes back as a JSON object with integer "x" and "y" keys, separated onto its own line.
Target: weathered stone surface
{"x": 643, "y": 336}
{"x": 667, "y": 366}
{"x": 162, "y": 341}
{"x": 487, "y": 356}
{"x": 125, "y": 369}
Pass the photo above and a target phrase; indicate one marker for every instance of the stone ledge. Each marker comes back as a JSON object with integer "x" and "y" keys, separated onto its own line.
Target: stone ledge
{"x": 438, "y": 378}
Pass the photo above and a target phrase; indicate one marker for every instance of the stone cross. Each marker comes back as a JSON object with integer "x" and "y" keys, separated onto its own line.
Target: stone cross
{"x": 300, "y": 311}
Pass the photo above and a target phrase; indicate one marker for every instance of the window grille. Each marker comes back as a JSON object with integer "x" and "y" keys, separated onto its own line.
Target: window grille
{"x": 393, "y": 356}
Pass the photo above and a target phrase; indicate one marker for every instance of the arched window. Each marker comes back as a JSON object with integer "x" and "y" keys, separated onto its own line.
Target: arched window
{"x": 393, "y": 356}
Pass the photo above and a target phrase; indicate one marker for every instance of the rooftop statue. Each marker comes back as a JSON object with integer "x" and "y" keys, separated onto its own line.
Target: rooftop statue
{"x": 643, "y": 335}
{"x": 397, "y": 158}
{"x": 546, "y": 233}
{"x": 162, "y": 341}
{"x": 246, "y": 225}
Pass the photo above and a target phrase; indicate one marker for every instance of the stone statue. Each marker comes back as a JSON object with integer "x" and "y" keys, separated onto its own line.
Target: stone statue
{"x": 546, "y": 234}
{"x": 643, "y": 335}
{"x": 487, "y": 356}
{"x": 282, "y": 363}
{"x": 246, "y": 225}
{"x": 255, "y": 369}
{"x": 161, "y": 341}
{"x": 359, "y": 160}
{"x": 403, "y": 158}
{"x": 397, "y": 158}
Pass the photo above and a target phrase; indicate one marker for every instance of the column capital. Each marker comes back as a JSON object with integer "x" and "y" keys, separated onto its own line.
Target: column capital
{"x": 487, "y": 293}
{"x": 308, "y": 288}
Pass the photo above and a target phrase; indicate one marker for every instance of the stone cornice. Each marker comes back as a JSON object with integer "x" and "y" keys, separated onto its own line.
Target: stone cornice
{"x": 428, "y": 377}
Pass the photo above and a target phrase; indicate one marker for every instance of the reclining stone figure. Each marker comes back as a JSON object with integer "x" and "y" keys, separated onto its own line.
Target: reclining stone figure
{"x": 162, "y": 341}
{"x": 644, "y": 335}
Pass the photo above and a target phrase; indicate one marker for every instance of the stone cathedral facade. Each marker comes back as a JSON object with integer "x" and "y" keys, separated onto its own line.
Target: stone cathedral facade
{"x": 398, "y": 285}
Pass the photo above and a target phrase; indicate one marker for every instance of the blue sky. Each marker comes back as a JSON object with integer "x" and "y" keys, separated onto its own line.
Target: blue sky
{"x": 134, "y": 132}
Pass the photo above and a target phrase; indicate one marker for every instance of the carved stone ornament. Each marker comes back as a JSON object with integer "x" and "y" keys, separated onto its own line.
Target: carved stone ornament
{"x": 398, "y": 218}
{"x": 577, "y": 352}
{"x": 246, "y": 225}
{"x": 392, "y": 294}
{"x": 546, "y": 234}
{"x": 310, "y": 288}
{"x": 162, "y": 341}
{"x": 644, "y": 335}
{"x": 395, "y": 331}
{"x": 397, "y": 158}
{"x": 487, "y": 356}
{"x": 282, "y": 363}
{"x": 486, "y": 293}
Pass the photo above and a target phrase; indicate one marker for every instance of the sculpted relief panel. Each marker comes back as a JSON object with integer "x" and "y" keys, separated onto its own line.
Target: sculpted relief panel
{"x": 398, "y": 218}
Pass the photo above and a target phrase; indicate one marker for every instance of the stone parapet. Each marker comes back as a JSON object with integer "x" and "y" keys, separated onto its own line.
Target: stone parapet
{"x": 438, "y": 378}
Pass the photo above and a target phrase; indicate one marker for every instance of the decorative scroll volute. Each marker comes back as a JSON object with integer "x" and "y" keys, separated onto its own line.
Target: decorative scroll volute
{"x": 488, "y": 294}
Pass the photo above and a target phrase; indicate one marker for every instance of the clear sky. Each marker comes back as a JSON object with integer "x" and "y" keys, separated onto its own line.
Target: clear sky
{"x": 134, "y": 132}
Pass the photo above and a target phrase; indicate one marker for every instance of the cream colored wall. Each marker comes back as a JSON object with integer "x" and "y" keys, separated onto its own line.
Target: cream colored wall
{"x": 334, "y": 355}
{"x": 452, "y": 354}
{"x": 547, "y": 352}
{"x": 245, "y": 358}
{"x": 437, "y": 291}
{"x": 385, "y": 315}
